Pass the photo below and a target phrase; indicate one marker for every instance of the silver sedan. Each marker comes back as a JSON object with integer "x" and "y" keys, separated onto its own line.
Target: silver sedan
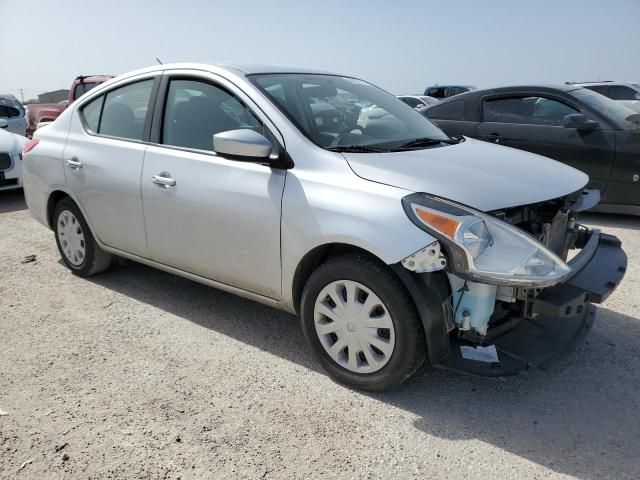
{"x": 325, "y": 196}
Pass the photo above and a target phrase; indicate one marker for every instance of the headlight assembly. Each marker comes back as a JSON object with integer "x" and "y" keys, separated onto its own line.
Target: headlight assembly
{"x": 483, "y": 248}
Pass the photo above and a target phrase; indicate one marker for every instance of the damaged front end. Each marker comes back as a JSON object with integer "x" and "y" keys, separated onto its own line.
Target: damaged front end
{"x": 517, "y": 286}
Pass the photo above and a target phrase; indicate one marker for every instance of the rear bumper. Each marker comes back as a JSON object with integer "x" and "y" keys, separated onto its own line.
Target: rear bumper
{"x": 563, "y": 314}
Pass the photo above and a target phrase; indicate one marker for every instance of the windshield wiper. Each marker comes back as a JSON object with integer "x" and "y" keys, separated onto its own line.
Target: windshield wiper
{"x": 426, "y": 142}
{"x": 356, "y": 149}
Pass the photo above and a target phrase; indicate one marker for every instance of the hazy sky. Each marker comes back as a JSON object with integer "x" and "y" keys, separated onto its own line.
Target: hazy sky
{"x": 399, "y": 45}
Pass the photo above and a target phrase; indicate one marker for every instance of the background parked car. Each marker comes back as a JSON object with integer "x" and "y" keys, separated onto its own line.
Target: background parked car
{"x": 14, "y": 113}
{"x": 627, "y": 94}
{"x": 10, "y": 157}
{"x": 571, "y": 124}
{"x": 47, "y": 112}
{"x": 445, "y": 91}
{"x": 418, "y": 101}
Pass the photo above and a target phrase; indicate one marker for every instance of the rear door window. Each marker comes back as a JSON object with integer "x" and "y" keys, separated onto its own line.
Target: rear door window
{"x": 125, "y": 110}
{"x": 529, "y": 110}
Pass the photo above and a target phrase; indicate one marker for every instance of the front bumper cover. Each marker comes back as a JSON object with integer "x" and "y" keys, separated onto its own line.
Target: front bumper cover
{"x": 564, "y": 314}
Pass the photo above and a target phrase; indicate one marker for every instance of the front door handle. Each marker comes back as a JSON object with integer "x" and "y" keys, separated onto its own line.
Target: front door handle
{"x": 74, "y": 163}
{"x": 163, "y": 179}
{"x": 494, "y": 137}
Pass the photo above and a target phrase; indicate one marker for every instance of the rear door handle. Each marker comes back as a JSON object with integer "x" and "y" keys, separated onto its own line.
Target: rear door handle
{"x": 494, "y": 137}
{"x": 74, "y": 163}
{"x": 163, "y": 179}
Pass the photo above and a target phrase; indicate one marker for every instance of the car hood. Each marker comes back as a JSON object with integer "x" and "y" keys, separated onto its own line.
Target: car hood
{"x": 475, "y": 173}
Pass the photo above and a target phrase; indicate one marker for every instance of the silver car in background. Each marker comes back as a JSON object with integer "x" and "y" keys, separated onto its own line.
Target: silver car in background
{"x": 14, "y": 113}
{"x": 10, "y": 157}
{"x": 325, "y": 196}
{"x": 418, "y": 101}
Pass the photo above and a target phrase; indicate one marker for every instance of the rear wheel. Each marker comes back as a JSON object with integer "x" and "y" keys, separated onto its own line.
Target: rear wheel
{"x": 361, "y": 323}
{"x": 79, "y": 250}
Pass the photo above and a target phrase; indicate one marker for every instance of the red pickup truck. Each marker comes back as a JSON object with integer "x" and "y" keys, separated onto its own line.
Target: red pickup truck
{"x": 48, "y": 112}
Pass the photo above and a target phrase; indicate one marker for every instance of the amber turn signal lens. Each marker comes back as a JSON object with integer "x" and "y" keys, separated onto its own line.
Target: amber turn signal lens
{"x": 441, "y": 223}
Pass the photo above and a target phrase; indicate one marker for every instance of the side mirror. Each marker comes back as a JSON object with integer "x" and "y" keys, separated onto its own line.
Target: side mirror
{"x": 3, "y": 123}
{"x": 579, "y": 122}
{"x": 243, "y": 143}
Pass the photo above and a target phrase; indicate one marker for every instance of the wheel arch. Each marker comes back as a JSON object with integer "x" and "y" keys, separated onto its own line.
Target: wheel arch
{"x": 54, "y": 198}
{"x": 312, "y": 260}
{"x": 430, "y": 293}
{"x": 58, "y": 194}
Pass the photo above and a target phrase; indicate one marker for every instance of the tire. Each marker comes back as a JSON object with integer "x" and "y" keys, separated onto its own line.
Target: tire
{"x": 368, "y": 368}
{"x": 77, "y": 247}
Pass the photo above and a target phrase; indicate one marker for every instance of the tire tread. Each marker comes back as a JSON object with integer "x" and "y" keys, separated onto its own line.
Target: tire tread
{"x": 97, "y": 259}
{"x": 369, "y": 265}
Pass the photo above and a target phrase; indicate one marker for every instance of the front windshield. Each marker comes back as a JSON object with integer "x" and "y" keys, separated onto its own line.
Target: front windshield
{"x": 621, "y": 115}
{"x": 338, "y": 113}
{"x": 11, "y": 101}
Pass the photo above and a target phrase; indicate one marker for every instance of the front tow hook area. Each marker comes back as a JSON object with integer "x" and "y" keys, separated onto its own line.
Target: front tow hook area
{"x": 564, "y": 314}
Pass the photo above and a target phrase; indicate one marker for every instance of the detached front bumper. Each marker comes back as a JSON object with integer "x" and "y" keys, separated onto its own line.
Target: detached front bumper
{"x": 562, "y": 314}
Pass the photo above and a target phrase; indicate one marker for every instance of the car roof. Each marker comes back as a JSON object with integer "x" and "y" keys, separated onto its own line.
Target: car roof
{"x": 545, "y": 88}
{"x": 237, "y": 69}
{"x": 450, "y": 85}
{"x": 251, "y": 69}
{"x": 603, "y": 82}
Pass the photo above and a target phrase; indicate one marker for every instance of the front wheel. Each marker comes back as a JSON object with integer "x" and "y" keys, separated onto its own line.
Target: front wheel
{"x": 79, "y": 250}
{"x": 361, "y": 323}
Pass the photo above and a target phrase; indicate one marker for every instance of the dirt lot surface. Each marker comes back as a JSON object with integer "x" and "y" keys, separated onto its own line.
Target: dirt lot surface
{"x": 139, "y": 374}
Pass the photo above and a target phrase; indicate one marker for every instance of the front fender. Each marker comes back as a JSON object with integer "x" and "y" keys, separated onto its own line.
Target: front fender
{"x": 347, "y": 211}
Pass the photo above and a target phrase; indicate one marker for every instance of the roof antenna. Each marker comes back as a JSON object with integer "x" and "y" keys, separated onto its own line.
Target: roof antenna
{"x": 158, "y": 60}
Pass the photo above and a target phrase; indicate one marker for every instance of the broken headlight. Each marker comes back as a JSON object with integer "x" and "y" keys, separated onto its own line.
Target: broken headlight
{"x": 483, "y": 248}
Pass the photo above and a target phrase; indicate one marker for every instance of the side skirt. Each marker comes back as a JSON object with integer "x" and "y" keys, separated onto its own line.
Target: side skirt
{"x": 196, "y": 278}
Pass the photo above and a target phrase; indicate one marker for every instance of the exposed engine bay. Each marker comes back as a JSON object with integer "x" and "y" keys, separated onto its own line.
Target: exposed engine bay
{"x": 480, "y": 311}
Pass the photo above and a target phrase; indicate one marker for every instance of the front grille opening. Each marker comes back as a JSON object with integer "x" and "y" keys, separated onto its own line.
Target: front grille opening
{"x": 8, "y": 182}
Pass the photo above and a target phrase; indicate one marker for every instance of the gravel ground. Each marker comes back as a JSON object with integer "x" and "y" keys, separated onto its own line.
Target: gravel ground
{"x": 140, "y": 374}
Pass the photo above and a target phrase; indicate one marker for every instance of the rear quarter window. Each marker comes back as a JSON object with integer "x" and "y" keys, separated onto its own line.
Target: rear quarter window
{"x": 447, "y": 111}
{"x": 90, "y": 113}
